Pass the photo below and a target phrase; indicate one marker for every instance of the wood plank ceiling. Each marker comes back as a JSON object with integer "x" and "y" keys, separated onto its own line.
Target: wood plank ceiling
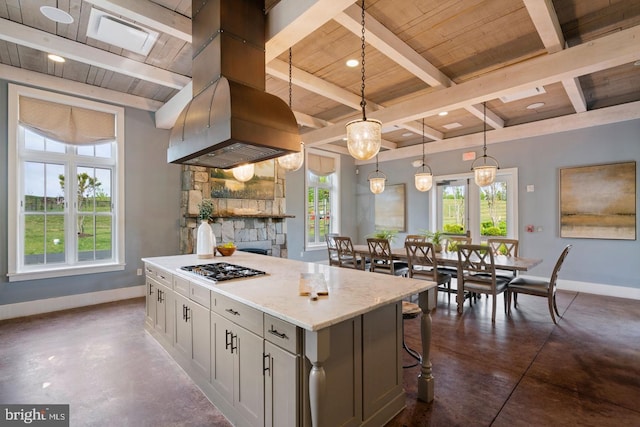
{"x": 423, "y": 57}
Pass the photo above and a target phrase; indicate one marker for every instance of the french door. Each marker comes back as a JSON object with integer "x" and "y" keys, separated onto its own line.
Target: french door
{"x": 460, "y": 206}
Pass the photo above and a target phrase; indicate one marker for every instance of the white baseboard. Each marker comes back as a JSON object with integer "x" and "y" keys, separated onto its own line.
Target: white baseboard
{"x": 595, "y": 288}
{"x": 29, "y": 308}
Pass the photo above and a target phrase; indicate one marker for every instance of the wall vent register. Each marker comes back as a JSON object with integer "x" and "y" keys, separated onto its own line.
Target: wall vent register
{"x": 221, "y": 271}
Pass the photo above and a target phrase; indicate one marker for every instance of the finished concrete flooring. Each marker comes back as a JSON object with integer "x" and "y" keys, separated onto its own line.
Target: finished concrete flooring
{"x": 521, "y": 371}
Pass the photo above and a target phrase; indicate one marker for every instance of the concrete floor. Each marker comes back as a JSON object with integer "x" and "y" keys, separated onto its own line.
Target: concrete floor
{"x": 522, "y": 371}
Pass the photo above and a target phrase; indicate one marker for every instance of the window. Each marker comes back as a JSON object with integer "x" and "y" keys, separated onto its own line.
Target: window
{"x": 322, "y": 196}
{"x": 461, "y": 206}
{"x": 66, "y": 199}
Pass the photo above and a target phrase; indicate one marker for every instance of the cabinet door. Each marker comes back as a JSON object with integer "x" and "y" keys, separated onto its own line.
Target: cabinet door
{"x": 282, "y": 403}
{"x": 160, "y": 323}
{"x": 201, "y": 339}
{"x": 182, "y": 338}
{"x": 221, "y": 356}
{"x": 151, "y": 296}
{"x": 249, "y": 392}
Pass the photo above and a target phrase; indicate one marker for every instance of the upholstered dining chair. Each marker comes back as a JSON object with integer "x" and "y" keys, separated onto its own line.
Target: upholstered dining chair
{"x": 539, "y": 288}
{"x": 347, "y": 256}
{"x": 477, "y": 275}
{"x": 424, "y": 265}
{"x": 382, "y": 259}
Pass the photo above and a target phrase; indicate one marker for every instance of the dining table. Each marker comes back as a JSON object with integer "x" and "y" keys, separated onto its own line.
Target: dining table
{"x": 450, "y": 259}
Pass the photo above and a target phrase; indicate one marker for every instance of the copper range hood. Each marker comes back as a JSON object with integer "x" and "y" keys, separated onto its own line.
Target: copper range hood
{"x": 231, "y": 120}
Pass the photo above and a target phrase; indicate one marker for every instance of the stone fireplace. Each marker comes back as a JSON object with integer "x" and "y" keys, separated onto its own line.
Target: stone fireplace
{"x": 250, "y": 224}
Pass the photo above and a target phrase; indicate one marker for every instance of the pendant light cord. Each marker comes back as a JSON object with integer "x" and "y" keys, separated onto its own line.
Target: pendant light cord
{"x": 485, "y": 130}
{"x": 363, "y": 103}
{"x": 423, "y": 144}
{"x": 290, "y": 78}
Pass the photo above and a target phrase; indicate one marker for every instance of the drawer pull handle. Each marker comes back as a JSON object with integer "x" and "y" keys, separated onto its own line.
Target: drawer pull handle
{"x": 266, "y": 363}
{"x": 229, "y": 340}
{"x": 150, "y": 289}
{"x": 232, "y": 311}
{"x": 278, "y": 334}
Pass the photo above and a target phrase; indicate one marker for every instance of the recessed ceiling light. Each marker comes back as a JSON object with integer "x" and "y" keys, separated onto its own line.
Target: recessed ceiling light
{"x": 352, "y": 63}
{"x": 406, "y": 134}
{"x": 637, "y": 63}
{"x": 56, "y": 15}
{"x": 453, "y": 125}
{"x": 535, "y": 105}
{"x": 55, "y": 58}
{"x": 443, "y": 113}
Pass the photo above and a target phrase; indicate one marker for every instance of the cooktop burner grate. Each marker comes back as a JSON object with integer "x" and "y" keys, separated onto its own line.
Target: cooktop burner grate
{"x": 220, "y": 271}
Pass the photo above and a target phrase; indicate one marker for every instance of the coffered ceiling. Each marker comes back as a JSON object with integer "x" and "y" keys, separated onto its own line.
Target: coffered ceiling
{"x": 577, "y": 61}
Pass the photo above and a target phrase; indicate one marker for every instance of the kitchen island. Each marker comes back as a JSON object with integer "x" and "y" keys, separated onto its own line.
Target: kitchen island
{"x": 266, "y": 355}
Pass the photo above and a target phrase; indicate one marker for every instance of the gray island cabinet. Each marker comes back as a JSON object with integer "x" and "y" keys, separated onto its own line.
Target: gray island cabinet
{"x": 266, "y": 356}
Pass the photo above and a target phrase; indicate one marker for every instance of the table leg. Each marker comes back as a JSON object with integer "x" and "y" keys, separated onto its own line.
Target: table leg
{"x": 427, "y": 302}
{"x": 317, "y": 351}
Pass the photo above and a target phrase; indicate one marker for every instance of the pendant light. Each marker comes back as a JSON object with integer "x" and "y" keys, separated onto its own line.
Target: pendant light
{"x": 376, "y": 180}
{"x": 424, "y": 180}
{"x": 243, "y": 173}
{"x": 292, "y": 162}
{"x": 485, "y": 173}
{"x": 364, "y": 136}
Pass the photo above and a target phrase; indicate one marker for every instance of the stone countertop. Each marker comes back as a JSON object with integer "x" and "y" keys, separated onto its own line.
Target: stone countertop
{"x": 351, "y": 292}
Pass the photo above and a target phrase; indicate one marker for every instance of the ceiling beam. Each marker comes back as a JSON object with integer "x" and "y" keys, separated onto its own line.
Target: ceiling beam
{"x": 308, "y": 81}
{"x": 149, "y": 14}
{"x": 390, "y": 45}
{"x": 58, "y": 84}
{"x": 585, "y": 120}
{"x": 290, "y": 21}
{"x": 50, "y": 43}
{"x": 606, "y": 52}
{"x": 546, "y": 21}
{"x": 167, "y": 115}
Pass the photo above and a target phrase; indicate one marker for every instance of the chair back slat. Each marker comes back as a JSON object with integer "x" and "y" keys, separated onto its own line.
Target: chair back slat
{"x": 558, "y": 266}
{"x": 450, "y": 243}
{"x": 414, "y": 238}
{"x": 501, "y": 246}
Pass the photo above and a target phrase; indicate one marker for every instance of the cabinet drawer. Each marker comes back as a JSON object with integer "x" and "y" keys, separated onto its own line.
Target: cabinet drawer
{"x": 158, "y": 274}
{"x": 200, "y": 294}
{"x": 181, "y": 286}
{"x": 238, "y": 313}
{"x": 282, "y": 334}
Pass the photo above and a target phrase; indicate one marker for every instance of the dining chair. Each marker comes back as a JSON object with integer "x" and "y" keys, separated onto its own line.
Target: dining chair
{"x": 382, "y": 259}
{"x": 450, "y": 244}
{"x": 508, "y": 248}
{"x": 539, "y": 288}
{"x": 347, "y": 256}
{"x": 332, "y": 248}
{"x": 424, "y": 265}
{"x": 477, "y": 275}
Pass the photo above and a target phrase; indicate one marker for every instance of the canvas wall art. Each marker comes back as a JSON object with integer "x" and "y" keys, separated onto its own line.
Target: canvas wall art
{"x": 260, "y": 187}
{"x": 598, "y": 201}
{"x": 390, "y": 208}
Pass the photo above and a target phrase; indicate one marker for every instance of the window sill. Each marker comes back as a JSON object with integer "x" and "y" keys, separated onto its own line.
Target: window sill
{"x": 63, "y": 272}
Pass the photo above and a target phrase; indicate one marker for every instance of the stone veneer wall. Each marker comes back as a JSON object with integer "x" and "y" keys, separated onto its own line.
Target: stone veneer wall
{"x": 246, "y": 232}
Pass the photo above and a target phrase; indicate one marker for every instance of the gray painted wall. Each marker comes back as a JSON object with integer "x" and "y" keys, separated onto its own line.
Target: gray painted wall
{"x": 152, "y": 201}
{"x": 611, "y": 262}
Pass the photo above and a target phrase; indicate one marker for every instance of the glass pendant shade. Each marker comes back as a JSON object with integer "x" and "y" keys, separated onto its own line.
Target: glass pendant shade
{"x": 376, "y": 185}
{"x": 292, "y": 162}
{"x": 424, "y": 181}
{"x": 484, "y": 175}
{"x": 243, "y": 173}
{"x": 364, "y": 138}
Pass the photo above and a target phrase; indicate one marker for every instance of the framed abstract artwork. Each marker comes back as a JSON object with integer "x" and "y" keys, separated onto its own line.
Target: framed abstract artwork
{"x": 260, "y": 187}
{"x": 390, "y": 208}
{"x": 598, "y": 201}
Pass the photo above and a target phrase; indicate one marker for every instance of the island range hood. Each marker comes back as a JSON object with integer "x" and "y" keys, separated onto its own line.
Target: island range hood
{"x": 231, "y": 120}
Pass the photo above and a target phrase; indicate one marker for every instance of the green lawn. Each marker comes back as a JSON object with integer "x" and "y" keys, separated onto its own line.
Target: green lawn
{"x": 98, "y": 234}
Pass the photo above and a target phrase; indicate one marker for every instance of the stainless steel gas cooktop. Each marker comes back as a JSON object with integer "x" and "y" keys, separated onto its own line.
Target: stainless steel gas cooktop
{"x": 220, "y": 271}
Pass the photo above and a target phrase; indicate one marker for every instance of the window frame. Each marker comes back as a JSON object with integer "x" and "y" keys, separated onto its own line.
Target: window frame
{"x": 472, "y": 201}
{"x": 16, "y": 270}
{"x": 335, "y": 199}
